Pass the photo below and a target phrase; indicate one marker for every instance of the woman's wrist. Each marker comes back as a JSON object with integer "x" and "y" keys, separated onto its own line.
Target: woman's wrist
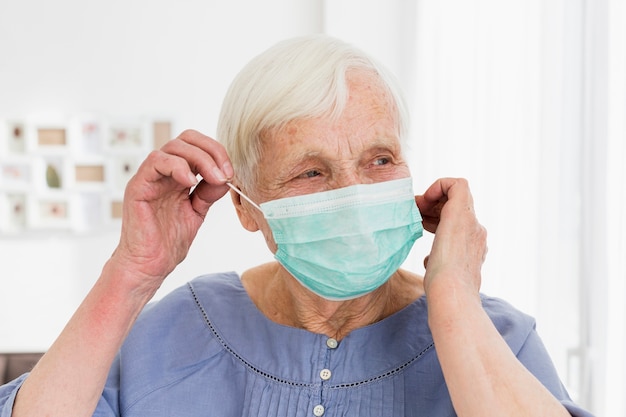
{"x": 450, "y": 301}
{"x": 128, "y": 281}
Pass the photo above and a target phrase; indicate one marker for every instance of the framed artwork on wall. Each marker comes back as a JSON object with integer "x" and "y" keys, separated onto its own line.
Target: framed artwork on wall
{"x": 14, "y": 135}
{"x": 49, "y": 211}
{"x": 70, "y": 173}
{"x": 13, "y": 212}
{"x": 16, "y": 173}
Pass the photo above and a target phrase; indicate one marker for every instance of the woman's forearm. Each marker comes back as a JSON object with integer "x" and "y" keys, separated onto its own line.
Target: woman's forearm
{"x": 483, "y": 375}
{"x": 70, "y": 377}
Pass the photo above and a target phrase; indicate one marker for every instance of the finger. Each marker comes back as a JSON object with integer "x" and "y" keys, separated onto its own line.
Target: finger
{"x": 431, "y": 213}
{"x": 447, "y": 197}
{"x": 430, "y": 205}
{"x": 159, "y": 164}
{"x": 220, "y": 156}
{"x": 438, "y": 191}
{"x": 205, "y": 155}
{"x": 204, "y": 195}
{"x": 436, "y": 197}
{"x": 430, "y": 224}
{"x": 433, "y": 199}
{"x": 198, "y": 160}
{"x": 455, "y": 190}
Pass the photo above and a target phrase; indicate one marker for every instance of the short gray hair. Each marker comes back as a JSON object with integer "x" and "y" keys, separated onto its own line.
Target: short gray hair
{"x": 299, "y": 78}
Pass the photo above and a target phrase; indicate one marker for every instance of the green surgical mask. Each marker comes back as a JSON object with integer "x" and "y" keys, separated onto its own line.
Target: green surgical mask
{"x": 344, "y": 243}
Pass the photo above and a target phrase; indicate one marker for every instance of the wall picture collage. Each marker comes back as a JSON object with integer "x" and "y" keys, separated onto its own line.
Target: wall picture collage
{"x": 70, "y": 175}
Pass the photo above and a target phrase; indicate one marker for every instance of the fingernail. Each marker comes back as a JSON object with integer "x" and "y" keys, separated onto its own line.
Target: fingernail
{"x": 227, "y": 168}
{"x": 192, "y": 178}
{"x": 218, "y": 174}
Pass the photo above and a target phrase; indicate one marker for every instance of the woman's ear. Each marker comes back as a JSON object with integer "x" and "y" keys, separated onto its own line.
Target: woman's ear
{"x": 243, "y": 212}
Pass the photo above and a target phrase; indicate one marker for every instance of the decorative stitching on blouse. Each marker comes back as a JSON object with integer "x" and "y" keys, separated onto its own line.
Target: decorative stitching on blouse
{"x": 235, "y": 354}
{"x": 387, "y": 374}
{"x": 292, "y": 383}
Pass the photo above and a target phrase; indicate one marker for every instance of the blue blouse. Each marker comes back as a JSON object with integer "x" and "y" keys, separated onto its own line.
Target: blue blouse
{"x": 206, "y": 350}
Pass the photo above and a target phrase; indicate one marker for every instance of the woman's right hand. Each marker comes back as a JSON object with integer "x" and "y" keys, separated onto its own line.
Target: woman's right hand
{"x": 160, "y": 220}
{"x": 160, "y": 215}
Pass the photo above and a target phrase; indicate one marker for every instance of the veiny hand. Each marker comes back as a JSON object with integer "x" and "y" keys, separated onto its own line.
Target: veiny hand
{"x": 160, "y": 216}
{"x": 494, "y": 381}
{"x": 460, "y": 243}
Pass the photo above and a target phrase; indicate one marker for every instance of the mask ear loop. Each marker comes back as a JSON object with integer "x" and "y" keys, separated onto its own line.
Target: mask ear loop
{"x": 245, "y": 197}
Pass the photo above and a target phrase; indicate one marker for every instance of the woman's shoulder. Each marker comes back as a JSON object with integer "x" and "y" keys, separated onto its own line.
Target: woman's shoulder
{"x": 513, "y": 324}
{"x": 172, "y": 340}
{"x": 184, "y": 298}
{"x": 170, "y": 320}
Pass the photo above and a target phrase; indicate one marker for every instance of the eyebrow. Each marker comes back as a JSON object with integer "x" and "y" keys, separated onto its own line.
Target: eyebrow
{"x": 297, "y": 160}
{"x": 380, "y": 143}
{"x": 386, "y": 142}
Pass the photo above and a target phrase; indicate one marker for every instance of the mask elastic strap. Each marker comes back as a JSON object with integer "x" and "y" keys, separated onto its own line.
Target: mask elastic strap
{"x": 245, "y": 197}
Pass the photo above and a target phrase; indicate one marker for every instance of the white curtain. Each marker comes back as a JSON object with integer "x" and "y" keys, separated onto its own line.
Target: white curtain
{"x": 526, "y": 99}
{"x": 611, "y": 352}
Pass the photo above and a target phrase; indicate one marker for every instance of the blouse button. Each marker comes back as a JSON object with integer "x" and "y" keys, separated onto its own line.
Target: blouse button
{"x": 332, "y": 343}
{"x": 325, "y": 374}
{"x": 318, "y": 411}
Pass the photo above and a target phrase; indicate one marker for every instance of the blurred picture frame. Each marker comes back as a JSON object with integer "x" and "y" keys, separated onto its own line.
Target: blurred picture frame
{"x": 16, "y": 173}
{"x": 50, "y": 172}
{"x": 14, "y": 136}
{"x": 89, "y": 211}
{"x": 85, "y": 134}
{"x": 126, "y": 136}
{"x": 51, "y": 211}
{"x": 121, "y": 170}
{"x": 13, "y": 216}
{"x": 60, "y": 173}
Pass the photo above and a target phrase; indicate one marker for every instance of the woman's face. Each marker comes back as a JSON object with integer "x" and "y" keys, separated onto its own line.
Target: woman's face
{"x": 313, "y": 155}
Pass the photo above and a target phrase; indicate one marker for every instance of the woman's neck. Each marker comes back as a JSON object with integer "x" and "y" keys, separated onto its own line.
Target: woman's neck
{"x": 282, "y": 299}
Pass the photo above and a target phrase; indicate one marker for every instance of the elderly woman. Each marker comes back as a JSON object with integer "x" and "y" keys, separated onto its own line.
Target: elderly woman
{"x": 312, "y": 134}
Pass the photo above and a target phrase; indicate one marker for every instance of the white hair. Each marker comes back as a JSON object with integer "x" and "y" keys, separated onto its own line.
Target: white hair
{"x": 303, "y": 77}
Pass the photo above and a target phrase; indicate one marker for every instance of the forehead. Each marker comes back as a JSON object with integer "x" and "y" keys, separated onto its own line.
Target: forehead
{"x": 369, "y": 118}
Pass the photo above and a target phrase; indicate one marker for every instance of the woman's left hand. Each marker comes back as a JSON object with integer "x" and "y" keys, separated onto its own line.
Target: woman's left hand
{"x": 460, "y": 243}
{"x": 494, "y": 381}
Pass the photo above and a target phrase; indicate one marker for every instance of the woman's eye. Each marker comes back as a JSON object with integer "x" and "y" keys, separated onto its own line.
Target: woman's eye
{"x": 381, "y": 161}
{"x": 310, "y": 174}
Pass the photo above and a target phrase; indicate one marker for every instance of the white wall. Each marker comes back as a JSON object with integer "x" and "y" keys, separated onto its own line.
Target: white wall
{"x": 118, "y": 59}
{"x": 176, "y": 59}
